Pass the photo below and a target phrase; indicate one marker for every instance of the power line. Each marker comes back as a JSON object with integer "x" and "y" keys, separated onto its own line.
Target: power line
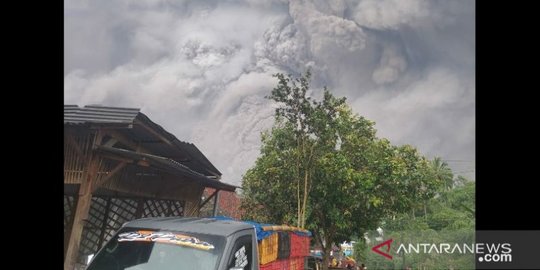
{"x": 464, "y": 171}
{"x": 458, "y": 160}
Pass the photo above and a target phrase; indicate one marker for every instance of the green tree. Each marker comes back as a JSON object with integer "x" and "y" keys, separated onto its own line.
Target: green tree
{"x": 322, "y": 167}
{"x": 443, "y": 172}
{"x": 300, "y": 115}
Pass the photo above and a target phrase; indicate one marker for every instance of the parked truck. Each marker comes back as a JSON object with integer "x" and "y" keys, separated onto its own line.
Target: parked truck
{"x": 203, "y": 244}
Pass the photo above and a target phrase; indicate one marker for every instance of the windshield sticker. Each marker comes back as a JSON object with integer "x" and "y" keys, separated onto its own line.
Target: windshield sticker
{"x": 164, "y": 237}
{"x": 241, "y": 258}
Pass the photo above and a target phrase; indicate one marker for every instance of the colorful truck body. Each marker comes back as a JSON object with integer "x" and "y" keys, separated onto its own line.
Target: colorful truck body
{"x": 203, "y": 244}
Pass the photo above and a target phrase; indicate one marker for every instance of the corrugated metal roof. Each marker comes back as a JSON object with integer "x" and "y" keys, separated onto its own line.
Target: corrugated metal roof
{"x": 168, "y": 165}
{"x": 99, "y": 114}
{"x": 190, "y": 148}
{"x": 104, "y": 115}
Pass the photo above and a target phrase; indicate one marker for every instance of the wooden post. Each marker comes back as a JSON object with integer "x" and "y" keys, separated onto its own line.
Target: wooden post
{"x": 140, "y": 208}
{"x": 83, "y": 206}
{"x": 216, "y": 202}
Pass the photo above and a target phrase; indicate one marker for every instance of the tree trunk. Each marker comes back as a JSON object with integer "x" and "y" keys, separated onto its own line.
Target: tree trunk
{"x": 326, "y": 255}
{"x": 298, "y": 200}
{"x": 306, "y": 178}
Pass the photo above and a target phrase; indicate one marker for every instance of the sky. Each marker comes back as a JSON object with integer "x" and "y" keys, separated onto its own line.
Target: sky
{"x": 202, "y": 68}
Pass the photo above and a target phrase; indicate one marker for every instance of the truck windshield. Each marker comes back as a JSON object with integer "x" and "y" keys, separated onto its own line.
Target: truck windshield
{"x": 137, "y": 249}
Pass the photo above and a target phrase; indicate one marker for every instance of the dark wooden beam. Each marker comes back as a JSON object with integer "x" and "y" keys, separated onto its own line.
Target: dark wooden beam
{"x": 113, "y": 157}
{"x": 208, "y": 199}
{"x": 216, "y": 202}
{"x": 153, "y": 132}
{"x": 110, "y": 142}
{"x": 110, "y": 175}
{"x": 138, "y": 147}
{"x": 135, "y": 146}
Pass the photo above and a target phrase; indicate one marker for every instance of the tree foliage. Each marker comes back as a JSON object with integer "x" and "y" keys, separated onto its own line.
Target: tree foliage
{"x": 443, "y": 172}
{"x": 322, "y": 167}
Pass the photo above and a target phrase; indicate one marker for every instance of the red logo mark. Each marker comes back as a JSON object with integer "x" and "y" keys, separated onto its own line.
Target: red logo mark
{"x": 385, "y": 243}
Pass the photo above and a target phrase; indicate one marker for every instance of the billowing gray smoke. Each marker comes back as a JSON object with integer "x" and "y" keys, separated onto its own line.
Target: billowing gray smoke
{"x": 201, "y": 68}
